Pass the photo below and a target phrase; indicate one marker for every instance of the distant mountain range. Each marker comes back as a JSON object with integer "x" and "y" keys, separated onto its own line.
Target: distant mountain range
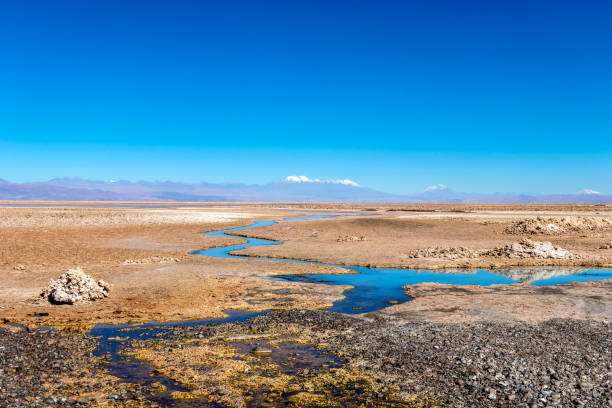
{"x": 291, "y": 189}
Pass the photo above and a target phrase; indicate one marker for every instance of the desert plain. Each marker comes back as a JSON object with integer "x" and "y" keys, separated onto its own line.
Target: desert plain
{"x": 450, "y": 345}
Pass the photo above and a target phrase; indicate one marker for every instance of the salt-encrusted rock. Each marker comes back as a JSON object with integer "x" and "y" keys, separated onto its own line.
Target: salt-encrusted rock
{"x": 75, "y": 286}
{"x": 527, "y": 248}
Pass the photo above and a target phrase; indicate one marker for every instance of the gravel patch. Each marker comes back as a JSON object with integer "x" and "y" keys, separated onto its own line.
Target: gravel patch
{"x": 561, "y": 362}
{"x": 50, "y": 369}
{"x": 31, "y": 365}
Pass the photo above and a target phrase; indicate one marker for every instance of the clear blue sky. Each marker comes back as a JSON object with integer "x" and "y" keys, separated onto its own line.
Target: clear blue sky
{"x": 510, "y": 96}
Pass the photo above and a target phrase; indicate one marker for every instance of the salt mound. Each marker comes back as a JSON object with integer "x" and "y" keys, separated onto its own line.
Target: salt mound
{"x": 531, "y": 249}
{"x": 75, "y": 286}
{"x": 552, "y": 226}
{"x": 526, "y": 248}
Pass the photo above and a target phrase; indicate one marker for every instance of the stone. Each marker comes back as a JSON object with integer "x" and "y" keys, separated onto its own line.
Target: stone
{"x": 75, "y": 286}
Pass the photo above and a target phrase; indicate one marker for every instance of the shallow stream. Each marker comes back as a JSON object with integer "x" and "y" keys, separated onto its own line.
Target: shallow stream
{"x": 375, "y": 288}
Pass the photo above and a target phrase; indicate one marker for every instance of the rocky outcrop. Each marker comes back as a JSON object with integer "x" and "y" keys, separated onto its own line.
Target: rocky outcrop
{"x": 75, "y": 286}
{"x": 555, "y": 226}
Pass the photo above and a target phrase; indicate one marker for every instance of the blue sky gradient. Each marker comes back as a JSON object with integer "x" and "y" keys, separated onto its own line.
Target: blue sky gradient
{"x": 508, "y": 96}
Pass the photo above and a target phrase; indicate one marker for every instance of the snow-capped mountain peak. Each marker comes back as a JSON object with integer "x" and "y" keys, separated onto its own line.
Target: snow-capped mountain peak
{"x": 436, "y": 187}
{"x": 588, "y": 191}
{"x": 305, "y": 179}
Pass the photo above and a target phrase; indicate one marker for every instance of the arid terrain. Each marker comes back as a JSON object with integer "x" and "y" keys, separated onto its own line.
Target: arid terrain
{"x": 400, "y": 239}
{"x": 145, "y": 255}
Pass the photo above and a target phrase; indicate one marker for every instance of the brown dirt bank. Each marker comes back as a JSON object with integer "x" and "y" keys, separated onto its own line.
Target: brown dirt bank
{"x": 517, "y": 302}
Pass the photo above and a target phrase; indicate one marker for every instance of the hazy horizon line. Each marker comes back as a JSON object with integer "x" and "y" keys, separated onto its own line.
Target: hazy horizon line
{"x": 292, "y": 179}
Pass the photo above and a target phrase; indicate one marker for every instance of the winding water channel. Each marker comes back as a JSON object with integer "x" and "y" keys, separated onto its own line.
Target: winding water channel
{"x": 373, "y": 289}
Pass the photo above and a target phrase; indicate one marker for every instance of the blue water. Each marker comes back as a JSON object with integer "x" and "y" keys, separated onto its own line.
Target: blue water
{"x": 375, "y": 288}
{"x": 114, "y": 338}
{"x": 154, "y": 329}
{"x": 224, "y": 252}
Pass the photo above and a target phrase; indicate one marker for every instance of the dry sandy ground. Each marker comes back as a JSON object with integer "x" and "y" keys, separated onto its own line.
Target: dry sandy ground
{"x": 165, "y": 282}
{"x": 390, "y": 236}
{"x": 45, "y": 242}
